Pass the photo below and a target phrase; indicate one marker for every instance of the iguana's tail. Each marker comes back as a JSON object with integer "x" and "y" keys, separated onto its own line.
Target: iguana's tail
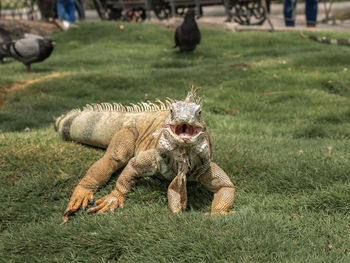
{"x": 345, "y": 42}
{"x": 96, "y": 124}
{"x": 94, "y": 128}
{"x": 57, "y": 122}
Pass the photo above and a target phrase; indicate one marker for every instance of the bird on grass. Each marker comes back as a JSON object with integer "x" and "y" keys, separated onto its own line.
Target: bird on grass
{"x": 5, "y": 38}
{"x": 31, "y": 49}
{"x": 187, "y": 35}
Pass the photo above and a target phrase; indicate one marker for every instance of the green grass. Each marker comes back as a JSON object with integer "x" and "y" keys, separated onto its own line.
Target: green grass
{"x": 287, "y": 153}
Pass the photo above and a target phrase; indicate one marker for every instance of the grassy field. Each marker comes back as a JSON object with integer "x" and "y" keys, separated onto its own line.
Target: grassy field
{"x": 287, "y": 149}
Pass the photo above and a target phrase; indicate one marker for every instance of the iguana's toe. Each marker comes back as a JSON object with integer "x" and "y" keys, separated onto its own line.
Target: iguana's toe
{"x": 99, "y": 201}
{"x": 85, "y": 203}
{"x": 77, "y": 204}
{"x": 96, "y": 208}
{"x": 103, "y": 209}
{"x": 111, "y": 202}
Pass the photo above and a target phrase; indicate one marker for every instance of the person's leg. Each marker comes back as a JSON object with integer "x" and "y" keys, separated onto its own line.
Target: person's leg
{"x": 70, "y": 11}
{"x": 42, "y": 8}
{"x": 311, "y": 12}
{"x": 79, "y": 6}
{"x": 288, "y": 12}
{"x": 268, "y": 5}
{"x": 60, "y": 9}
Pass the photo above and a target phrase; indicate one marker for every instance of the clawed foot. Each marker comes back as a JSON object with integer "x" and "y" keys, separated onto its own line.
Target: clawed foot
{"x": 112, "y": 201}
{"x": 80, "y": 197}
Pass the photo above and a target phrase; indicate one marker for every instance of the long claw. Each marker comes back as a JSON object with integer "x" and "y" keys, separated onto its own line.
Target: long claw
{"x": 91, "y": 199}
{"x": 67, "y": 212}
{"x": 64, "y": 220}
{"x": 65, "y": 216}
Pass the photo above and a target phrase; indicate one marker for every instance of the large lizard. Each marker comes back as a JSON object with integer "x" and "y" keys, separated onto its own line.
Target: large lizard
{"x": 344, "y": 41}
{"x": 169, "y": 139}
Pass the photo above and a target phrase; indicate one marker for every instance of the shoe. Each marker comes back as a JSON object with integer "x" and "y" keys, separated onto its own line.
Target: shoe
{"x": 310, "y": 25}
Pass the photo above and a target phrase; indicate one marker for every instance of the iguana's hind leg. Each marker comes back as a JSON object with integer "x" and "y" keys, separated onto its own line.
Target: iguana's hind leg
{"x": 217, "y": 181}
{"x": 119, "y": 152}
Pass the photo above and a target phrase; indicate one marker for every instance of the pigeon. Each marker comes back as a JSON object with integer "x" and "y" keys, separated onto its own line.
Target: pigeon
{"x": 31, "y": 49}
{"x": 187, "y": 36}
{"x": 5, "y": 38}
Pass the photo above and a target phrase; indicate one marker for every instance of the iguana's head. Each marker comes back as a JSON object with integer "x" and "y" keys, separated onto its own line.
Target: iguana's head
{"x": 185, "y": 121}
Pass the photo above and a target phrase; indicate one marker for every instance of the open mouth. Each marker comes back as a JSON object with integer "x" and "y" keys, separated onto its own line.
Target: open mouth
{"x": 185, "y": 130}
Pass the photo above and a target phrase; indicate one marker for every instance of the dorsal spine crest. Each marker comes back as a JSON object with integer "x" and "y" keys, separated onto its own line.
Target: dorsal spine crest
{"x": 139, "y": 107}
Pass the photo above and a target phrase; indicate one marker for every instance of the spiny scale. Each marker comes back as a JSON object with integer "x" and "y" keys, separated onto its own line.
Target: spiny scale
{"x": 139, "y": 107}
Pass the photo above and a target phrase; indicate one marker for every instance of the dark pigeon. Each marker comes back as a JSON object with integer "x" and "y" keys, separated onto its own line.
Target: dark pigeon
{"x": 31, "y": 49}
{"x": 5, "y": 38}
{"x": 187, "y": 36}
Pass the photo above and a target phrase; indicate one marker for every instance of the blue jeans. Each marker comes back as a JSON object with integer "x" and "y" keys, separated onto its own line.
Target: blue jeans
{"x": 310, "y": 11}
{"x": 66, "y": 10}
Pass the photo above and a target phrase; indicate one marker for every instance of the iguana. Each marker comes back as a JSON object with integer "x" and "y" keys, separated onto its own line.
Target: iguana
{"x": 345, "y": 41}
{"x": 168, "y": 139}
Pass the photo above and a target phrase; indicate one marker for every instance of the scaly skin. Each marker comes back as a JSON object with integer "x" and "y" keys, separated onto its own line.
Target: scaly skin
{"x": 345, "y": 42}
{"x": 168, "y": 140}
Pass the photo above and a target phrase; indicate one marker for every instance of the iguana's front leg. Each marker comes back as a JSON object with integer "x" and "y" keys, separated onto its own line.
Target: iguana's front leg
{"x": 144, "y": 164}
{"x": 119, "y": 151}
{"x": 217, "y": 181}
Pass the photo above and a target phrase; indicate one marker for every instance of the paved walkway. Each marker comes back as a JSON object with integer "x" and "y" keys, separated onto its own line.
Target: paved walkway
{"x": 215, "y": 16}
{"x": 218, "y": 14}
